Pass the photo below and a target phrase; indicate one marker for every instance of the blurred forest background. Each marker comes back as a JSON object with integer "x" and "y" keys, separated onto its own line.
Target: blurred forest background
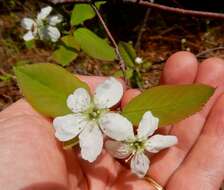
{"x": 163, "y": 34}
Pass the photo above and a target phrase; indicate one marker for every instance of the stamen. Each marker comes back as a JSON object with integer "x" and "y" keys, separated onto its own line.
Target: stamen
{"x": 132, "y": 154}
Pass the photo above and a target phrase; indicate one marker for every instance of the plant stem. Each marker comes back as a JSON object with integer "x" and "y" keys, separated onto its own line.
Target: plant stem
{"x": 121, "y": 61}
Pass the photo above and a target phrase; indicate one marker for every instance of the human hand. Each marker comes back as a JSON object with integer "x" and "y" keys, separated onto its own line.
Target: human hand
{"x": 31, "y": 157}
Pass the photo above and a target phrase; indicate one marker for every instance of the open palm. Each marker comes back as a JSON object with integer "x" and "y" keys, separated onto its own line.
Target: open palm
{"x": 31, "y": 157}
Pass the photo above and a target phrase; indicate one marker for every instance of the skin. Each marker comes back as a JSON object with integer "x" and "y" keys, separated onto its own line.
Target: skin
{"x": 31, "y": 158}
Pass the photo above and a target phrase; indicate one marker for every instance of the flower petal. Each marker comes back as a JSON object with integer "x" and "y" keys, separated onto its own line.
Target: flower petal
{"x": 108, "y": 93}
{"x": 55, "y": 19}
{"x": 159, "y": 142}
{"x": 28, "y": 36}
{"x": 52, "y": 33}
{"x": 44, "y": 12}
{"x": 140, "y": 164}
{"x": 91, "y": 142}
{"x": 69, "y": 126}
{"x": 79, "y": 101}
{"x": 148, "y": 125}
{"x": 116, "y": 126}
{"x": 27, "y": 23}
{"x": 117, "y": 149}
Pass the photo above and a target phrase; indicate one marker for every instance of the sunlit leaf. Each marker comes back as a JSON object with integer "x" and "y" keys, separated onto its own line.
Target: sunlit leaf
{"x": 80, "y": 13}
{"x": 83, "y": 12}
{"x": 67, "y": 51}
{"x": 30, "y": 44}
{"x": 128, "y": 53}
{"x": 70, "y": 42}
{"x": 170, "y": 103}
{"x": 64, "y": 56}
{"x": 128, "y": 73}
{"x": 93, "y": 45}
{"x": 46, "y": 87}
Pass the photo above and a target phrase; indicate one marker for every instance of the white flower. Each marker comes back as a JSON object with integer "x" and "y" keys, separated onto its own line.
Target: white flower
{"x": 134, "y": 147}
{"x": 43, "y": 27}
{"x": 138, "y": 60}
{"x": 91, "y": 117}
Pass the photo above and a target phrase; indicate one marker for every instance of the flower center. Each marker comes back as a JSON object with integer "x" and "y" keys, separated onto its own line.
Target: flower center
{"x": 137, "y": 145}
{"x": 94, "y": 114}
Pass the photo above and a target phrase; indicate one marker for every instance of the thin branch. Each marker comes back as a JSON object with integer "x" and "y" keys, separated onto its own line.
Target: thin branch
{"x": 121, "y": 61}
{"x": 209, "y": 51}
{"x": 187, "y": 12}
{"x": 181, "y": 11}
{"x": 142, "y": 29}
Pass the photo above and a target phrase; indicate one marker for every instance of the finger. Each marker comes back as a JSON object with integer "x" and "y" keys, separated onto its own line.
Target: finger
{"x": 203, "y": 167}
{"x": 189, "y": 129}
{"x": 126, "y": 180}
{"x": 129, "y": 95}
{"x": 36, "y": 125}
{"x": 180, "y": 68}
{"x": 102, "y": 173}
{"x": 19, "y": 108}
{"x": 29, "y": 151}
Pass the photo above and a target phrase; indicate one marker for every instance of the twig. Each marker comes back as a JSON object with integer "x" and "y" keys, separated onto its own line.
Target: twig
{"x": 209, "y": 51}
{"x": 142, "y": 29}
{"x": 121, "y": 61}
{"x": 181, "y": 11}
{"x": 187, "y": 12}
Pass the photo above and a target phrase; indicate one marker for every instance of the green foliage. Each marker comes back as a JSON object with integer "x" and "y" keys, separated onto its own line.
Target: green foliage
{"x": 83, "y": 12}
{"x": 128, "y": 73}
{"x": 64, "y": 56}
{"x": 170, "y": 103}
{"x": 30, "y": 44}
{"x": 134, "y": 70}
{"x": 46, "y": 87}
{"x": 67, "y": 51}
{"x": 6, "y": 77}
{"x": 23, "y": 62}
{"x": 128, "y": 53}
{"x": 93, "y": 45}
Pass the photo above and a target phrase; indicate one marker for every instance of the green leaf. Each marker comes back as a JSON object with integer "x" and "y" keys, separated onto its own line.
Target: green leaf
{"x": 67, "y": 51}
{"x": 64, "y": 56}
{"x": 46, "y": 87}
{"x": 83, "y": 12}
{"x": 99, "y": 3}
{"x": 170, "y": 103}
{"x": 128, "y": 53}
{"x": 6, "y": 77}
{"x": 22, "y": 62}
{"x": 146, "y": 65}
{"x": 128, "y": 73}
{"x": 118, "y": 74}
{"x": 70, "y": 42}
{"x": 93, "y": 45}
{"x": 30, "y": 44}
